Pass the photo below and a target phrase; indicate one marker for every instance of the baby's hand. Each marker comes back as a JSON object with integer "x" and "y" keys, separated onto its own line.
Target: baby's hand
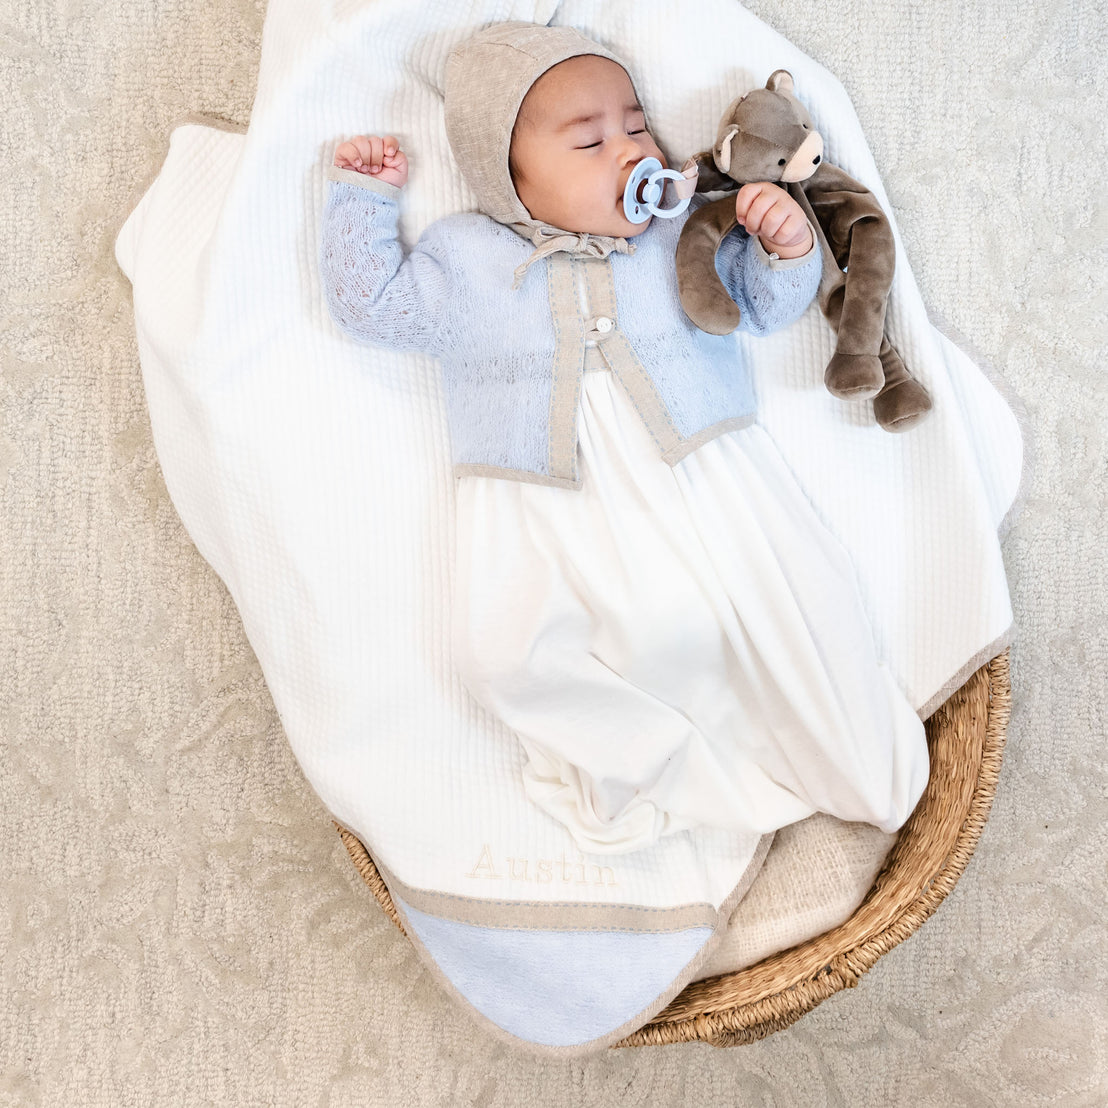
{"x": 378, "y": 157}
{"x": 768, "y": 211}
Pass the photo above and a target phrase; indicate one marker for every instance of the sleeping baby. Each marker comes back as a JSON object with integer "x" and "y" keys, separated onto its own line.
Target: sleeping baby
{"x": 644, "y": 595}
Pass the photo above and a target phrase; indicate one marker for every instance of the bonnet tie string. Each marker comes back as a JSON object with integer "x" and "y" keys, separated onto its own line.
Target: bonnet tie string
{"x": 550, "y": 241}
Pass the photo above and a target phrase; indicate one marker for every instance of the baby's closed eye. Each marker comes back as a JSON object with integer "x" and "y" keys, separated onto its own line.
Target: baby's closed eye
{"x": 641, "y": 131}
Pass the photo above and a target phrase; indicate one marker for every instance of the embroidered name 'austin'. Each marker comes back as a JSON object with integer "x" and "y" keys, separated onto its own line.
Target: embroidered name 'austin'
{"x": 544, "y": 870}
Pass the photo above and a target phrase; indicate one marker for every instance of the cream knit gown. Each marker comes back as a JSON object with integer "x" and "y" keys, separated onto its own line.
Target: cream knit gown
{"x": 677, "y": 646}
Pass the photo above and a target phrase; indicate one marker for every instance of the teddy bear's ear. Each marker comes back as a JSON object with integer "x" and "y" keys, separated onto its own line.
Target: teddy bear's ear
{"x": 723, "y": 149}
{"x": 781, "y": 80}
{"x": 709, "y": 179}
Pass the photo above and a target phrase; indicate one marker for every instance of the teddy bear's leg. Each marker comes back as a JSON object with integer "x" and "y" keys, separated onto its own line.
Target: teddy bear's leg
{"x": 903, "y": 401}
{"x": 853, "y": 376}
{"x": 856, "y": 308}
{"x": 850, "y": 376}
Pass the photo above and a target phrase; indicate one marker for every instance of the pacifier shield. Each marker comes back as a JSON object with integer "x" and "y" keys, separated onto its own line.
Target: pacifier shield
{"x": 644, "y": 190}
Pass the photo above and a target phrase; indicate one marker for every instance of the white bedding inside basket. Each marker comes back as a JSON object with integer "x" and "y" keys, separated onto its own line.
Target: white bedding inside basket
{"x": 314, "y": 475}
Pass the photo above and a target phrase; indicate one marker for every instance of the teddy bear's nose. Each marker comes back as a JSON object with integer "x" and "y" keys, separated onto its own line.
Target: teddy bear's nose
{"x": 815, "y": 160}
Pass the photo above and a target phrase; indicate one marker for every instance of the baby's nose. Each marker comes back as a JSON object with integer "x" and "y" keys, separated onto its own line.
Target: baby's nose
{"x": 629, "y": 156}
{"x": 625, "y": 176}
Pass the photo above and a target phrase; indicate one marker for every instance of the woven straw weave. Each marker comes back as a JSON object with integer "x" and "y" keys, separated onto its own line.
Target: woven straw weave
{"x": 966, "y": 742}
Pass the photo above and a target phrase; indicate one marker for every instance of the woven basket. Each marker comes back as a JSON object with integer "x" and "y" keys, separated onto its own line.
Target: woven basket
{"x": 966, "y": 742}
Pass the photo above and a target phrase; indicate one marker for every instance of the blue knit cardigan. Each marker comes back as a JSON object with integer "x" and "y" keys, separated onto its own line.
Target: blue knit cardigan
{"x": 512, "y": 361}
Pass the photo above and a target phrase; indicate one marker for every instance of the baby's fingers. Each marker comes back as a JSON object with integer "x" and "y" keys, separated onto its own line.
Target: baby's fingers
{"x": 386, "y": 153}
{"x": 346, "y": 155}
{"x": 369, "y": 148}
{"x": 753, "y": 204}
{"x": 793, "y": 230}
{"x": 376, "y": 156}
{"x": 360, "y": 152}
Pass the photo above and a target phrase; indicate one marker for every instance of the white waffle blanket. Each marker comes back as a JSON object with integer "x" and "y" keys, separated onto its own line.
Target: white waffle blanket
{"x": 314, "y": 475}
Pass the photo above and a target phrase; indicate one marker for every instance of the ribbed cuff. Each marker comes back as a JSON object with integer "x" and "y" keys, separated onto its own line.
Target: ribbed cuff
{"x": 353, "y": 177}
{"x": 774, "y": 262}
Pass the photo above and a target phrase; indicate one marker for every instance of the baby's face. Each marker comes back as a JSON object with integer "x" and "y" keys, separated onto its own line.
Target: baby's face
{"x": 570, "y": 170}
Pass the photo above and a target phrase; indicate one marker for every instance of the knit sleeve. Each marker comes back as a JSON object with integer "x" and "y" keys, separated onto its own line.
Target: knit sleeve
{"x": 770, "y": 292}
{"x": 374, "y": 293}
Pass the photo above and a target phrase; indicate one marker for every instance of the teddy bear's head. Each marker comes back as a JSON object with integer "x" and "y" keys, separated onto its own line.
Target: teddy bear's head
{"x": 766, "y": 135}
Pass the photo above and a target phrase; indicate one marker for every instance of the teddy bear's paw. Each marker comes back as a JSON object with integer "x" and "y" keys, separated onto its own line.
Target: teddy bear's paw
{"x": 901, "y": 407}
{"x": 854, "y": 376}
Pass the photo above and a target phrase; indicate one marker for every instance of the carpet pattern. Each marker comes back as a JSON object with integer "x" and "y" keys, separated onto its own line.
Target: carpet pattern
{"x": 179, "y": 922}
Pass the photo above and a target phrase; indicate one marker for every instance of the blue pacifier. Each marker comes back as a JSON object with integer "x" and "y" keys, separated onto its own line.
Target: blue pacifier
{"x": 644, "y": 191}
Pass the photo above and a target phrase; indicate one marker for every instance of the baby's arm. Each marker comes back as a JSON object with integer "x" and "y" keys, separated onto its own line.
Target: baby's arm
{"x": 374, "y": 293}
{"x": 772, "y": 264}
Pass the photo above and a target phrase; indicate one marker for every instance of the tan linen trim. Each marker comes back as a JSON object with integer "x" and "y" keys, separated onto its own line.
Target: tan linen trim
{"x": 687, "y": 446}
{"x": 353, "y": 177}
{"x": 216, "y": 122}
{"x": 774, "y": 262}
{"x": 476, "y": 469}
{"x": 554, "y": 915}
{"x": 629, "y": 371}
{"x": 594, "y": 360}
{"x": 569, "y": 361}
{"x": 965, "y": 672}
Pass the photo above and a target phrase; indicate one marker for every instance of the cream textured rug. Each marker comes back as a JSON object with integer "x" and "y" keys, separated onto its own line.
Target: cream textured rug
{"x": 182, "y": 925}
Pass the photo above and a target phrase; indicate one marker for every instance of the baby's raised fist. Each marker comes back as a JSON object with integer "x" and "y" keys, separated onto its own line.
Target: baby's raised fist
{"x": 767, "y": 210}
{"x": 376, "y": 157}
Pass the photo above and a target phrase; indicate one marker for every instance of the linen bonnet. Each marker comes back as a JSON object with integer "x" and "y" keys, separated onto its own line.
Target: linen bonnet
{"x": 487, "y": 77}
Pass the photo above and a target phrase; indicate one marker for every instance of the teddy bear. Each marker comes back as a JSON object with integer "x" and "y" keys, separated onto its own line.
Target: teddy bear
{"x": 767, "y": 135}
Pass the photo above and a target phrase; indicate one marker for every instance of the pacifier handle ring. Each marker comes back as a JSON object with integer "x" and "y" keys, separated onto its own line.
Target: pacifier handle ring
{"x": 657, "y": 178}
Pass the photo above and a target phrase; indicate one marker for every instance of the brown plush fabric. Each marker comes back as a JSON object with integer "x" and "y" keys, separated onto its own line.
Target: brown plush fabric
{"x": 767, "y": 135}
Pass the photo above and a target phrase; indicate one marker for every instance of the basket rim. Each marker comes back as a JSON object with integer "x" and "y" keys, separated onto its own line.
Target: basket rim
{"x": 966, "y": 737}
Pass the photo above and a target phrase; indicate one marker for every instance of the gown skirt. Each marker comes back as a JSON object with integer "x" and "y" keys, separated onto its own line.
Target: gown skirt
{"x": 677, "y": 646}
